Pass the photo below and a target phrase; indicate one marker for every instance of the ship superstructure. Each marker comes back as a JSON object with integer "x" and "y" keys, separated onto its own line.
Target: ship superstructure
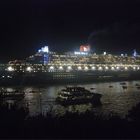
{"x": 71, "y": 66}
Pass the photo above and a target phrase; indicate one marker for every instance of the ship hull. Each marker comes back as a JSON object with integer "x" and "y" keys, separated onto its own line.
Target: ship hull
{"x": 15, "y": 78}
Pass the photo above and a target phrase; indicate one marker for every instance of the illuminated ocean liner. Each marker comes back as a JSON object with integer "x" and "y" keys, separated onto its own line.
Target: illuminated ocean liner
{"x": 80, "y": 66}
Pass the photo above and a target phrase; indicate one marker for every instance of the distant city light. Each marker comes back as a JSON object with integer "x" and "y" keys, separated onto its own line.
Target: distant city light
{"x": 104, "y": 53}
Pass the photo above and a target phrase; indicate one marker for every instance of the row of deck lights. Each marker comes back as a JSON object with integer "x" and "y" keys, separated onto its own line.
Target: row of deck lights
{"x": 86, "y": 68}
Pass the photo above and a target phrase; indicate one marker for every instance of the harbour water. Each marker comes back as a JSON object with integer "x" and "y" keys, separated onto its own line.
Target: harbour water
{"x": 117, "y": 98}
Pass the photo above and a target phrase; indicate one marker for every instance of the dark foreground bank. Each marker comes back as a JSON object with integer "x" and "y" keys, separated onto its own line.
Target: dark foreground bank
{"x": 15, "y": 123}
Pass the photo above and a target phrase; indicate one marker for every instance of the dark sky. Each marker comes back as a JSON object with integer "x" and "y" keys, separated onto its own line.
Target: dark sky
{"x": 108, "y": 25}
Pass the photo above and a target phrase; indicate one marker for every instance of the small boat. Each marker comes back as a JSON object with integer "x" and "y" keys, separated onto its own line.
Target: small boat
{"x": 110, "y": 86}
{"x": 77, "y": 95}
{"x": 13, "y": 95}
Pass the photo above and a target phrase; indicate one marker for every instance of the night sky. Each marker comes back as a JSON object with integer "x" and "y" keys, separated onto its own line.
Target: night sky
{"x": 63, "y": 25}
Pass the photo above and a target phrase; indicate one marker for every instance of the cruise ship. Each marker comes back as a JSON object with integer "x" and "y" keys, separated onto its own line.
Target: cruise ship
{"x": 71, "y": 67}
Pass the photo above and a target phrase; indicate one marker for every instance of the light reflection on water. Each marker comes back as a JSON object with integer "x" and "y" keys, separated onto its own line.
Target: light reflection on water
{"x": 115, "y": 99}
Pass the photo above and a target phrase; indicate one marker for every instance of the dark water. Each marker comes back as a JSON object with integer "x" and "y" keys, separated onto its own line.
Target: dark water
{"x": 115, "y": 99}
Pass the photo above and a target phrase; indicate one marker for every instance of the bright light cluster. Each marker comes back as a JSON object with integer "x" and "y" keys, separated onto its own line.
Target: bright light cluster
{"x": 93, "y": 68}
{"x": 86, "y": 68}
{"x": 44, "y": 49}
{"x": 10, "y": 68}
{"x": 29, "y": 69}
{"x": 69, "y": 68}
{"x": 51, "y": 67}
{"x": 100, "y": 68}
{"x": 106, "y": 68}
{"x": 79, "y": 68}
{"x": 126, "y": 68}
{"x": 112, "y": 68}
{"x": 81, "y": 53}
{"x": 117, "y": 68}
{"x": 60, "y": 68}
